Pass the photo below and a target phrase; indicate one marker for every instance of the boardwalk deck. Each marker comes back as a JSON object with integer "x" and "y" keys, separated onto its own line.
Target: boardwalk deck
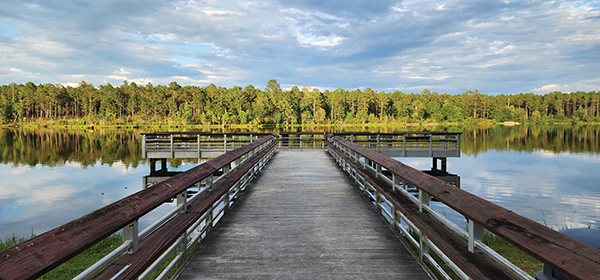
{"x": 303, "y": 219}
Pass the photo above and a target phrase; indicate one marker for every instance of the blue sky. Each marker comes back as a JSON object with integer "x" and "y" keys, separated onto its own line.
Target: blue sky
{"x": 445, "y": 46}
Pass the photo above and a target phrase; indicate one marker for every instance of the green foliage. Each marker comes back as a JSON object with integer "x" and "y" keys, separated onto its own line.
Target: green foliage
{"x": 117, "y": 105}
{"x": 523, "y": 260}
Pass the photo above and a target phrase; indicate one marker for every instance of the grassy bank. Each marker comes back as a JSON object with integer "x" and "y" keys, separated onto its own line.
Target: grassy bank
{"x": 87, "y": 258}
{"x": 77, "y": 264}
{"x": 163, "y": 123}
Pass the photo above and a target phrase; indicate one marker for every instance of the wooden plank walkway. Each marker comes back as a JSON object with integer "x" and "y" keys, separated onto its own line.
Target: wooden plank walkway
{"x": 303, "y": 219}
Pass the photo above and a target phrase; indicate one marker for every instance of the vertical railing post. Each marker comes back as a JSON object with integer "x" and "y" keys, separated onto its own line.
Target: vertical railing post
{"x": 209, "y": 182}
{"x": 379, "y": 201}
{"x": 182, "y": 248}
{"x": 424, "y": 199}
{"x": 226, "y": 169}
{"x": 423, "y": 244}
{"x": 225, "y": 143}
{"x": 209, "y": 218}
{"x": 476, "y": 233}
{"x": 404, "y": 144}
{"x": 396, "y": 181}
{"x": 457, "y": 145}
{"x": 378, "y": 142}
{"x": 377, "y": 170}
{"x": 130, "y": 233}
{"x": 172, "y": 150}
{"x": 226, "y": 199}
{"x": 144, "y": 151}
{"x": 430, "y": 145}
{"x": 199, "y": 153}
{"x": 182, "y": 201}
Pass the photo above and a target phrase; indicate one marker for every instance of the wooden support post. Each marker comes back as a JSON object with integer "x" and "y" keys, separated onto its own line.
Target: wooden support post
{"x": 430, "y": 145}
{"x": 476, "y": 233}
{"x": 378, "y": 142}
{"x": 144, "y": 151}
{"x": 227, "y": 169}
{"x": 163, "y": 164}
{"x": 396, "y": 181}
{"x": 404, "y": 145}
{"x": 130, "y": 233}
{"x": 182, "y": 201}
{"x": 152, "y": 166}
{"x": 209, "y": 182}
{"x": 225, "y": 143}
{"x": 226, "y": 200}
{"x": 424, "y": 199}
{"x": 182, "y": 248}
{"x": 172, "y": 148}
{"x": 199, "y": 152}
{"x": 443, "y": 164}
{"x": 209, "y": 219}
{"x": 423, "y": 244}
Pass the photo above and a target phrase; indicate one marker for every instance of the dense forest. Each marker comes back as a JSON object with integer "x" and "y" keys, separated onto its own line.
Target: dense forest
{"x": 130, "y": 103}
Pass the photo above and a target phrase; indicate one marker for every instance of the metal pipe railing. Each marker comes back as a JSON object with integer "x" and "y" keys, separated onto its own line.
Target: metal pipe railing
{"x": 569, "y": 256}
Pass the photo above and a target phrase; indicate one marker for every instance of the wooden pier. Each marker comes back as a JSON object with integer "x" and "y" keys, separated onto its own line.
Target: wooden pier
{"x": 303, "y": 219}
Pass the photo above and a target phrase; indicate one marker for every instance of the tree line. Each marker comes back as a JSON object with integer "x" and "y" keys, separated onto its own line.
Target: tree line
{"x": 130, "y": 103}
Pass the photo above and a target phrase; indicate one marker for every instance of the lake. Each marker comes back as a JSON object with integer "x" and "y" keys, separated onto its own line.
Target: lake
{"x": 549, "y": 174}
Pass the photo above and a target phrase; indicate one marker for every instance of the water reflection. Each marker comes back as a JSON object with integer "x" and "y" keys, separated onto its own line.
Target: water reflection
{"x": 559, "y": 191}
{"x": 547, "y": 173}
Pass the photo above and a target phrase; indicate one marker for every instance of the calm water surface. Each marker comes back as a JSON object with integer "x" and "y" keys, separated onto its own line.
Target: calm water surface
{"x": 549, "y": 174}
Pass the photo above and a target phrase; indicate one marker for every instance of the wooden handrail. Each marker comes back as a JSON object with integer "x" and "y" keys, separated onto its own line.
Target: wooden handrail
{"x": 570, "y": 257}
{"x": 35, "y": 257}
{"x": 400, "y": 133}
{"x": 153, "y": 246}
{"x": 162, "y": 133}
{"x": 477, "y": 266}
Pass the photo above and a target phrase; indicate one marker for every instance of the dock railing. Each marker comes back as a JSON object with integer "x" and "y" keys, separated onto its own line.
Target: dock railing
{"x": 194, "y": 144}
{"x": 207, "y": 145}
{"x": 431, "y": 233}
{"x": 409, "y": 144}
{"x": 302, "y": 140}
{"x": 203, "y": 195}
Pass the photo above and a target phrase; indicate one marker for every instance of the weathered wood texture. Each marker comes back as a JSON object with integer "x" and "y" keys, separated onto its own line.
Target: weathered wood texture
{"x": 41, "y": 254}
{"x": 570, "y": 257}
{"x": 303, "y": 219}
{"x": 152, "y": 247}
{"x": 399, "y": 133}
{"x": 477, "y": 266}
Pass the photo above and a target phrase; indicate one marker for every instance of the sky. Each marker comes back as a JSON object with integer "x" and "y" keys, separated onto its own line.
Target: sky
{"x": 496, "y": 47}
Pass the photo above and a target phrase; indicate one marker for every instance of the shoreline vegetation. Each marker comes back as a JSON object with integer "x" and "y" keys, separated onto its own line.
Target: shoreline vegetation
{"x": 131, "y": 105}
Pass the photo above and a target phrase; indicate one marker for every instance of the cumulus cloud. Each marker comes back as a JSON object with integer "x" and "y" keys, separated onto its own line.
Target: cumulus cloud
{"x": 494, "y": 46}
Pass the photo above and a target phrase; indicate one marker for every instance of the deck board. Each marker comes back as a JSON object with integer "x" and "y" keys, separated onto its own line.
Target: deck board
{"x": 302, "y": 219}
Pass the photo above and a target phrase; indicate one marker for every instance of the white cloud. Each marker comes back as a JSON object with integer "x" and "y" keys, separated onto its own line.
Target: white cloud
{"x": 551, "y": 88}
{"x": 501, "y": 47}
